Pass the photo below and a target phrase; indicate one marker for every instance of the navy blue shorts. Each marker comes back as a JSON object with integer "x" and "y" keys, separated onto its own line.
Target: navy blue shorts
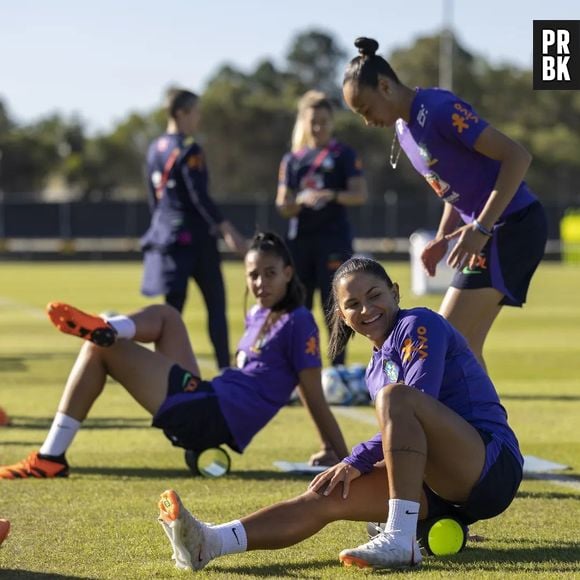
{"x": 510, "y": 258}
{"x": 491, "y": 495}
{"x": 191, "y": 416}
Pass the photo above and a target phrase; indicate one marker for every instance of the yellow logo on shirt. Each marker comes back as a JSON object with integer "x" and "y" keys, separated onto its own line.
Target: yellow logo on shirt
{"x": 459, "y": 120}
{"x": 419, "y": 346}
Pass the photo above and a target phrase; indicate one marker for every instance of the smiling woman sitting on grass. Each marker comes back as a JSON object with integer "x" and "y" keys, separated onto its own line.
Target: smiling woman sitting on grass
{"x": 444, "y": 445}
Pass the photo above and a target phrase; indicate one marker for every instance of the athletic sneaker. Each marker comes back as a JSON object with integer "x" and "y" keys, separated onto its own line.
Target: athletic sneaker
{"x": 386, "y": 550}
{"x": 34, "y": 466}
{"x": 187, "y": 535}
{"x": 71, "y": 320}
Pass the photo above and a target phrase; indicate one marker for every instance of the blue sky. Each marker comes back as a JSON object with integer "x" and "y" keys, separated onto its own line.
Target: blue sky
{"x": 102, "y": 59}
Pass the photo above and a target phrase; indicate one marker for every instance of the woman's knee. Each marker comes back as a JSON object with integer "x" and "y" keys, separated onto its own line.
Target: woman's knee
{"x": 394, "y": 397}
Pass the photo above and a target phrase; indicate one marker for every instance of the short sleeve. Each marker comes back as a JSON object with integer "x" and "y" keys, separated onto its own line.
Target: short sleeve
{"x": 305, "y": 345}
{"x": 352, "y": 163}
{"x": 422, "y": 344}
{"x": 457, "y": 121}
{"x": 284, "y": 174}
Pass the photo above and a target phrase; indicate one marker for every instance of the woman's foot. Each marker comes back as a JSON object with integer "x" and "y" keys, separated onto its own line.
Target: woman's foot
{"x": 187, "y": 535}
{"x": 71, "y": 320}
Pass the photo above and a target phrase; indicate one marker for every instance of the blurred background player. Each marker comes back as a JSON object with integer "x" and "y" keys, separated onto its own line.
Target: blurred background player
{"x": 278, "y": 351}
{"x": 478, "y": 172}
{"x": 444, "y": 448}
{"x": 319, "y": 178}
{"x": 181, "y": 242}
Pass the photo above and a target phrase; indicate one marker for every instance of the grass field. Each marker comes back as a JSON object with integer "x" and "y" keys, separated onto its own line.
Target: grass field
{"x": 101, "y": 522}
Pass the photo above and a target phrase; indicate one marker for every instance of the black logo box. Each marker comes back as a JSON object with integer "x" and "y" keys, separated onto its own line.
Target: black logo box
{"x": 573, "y": 63}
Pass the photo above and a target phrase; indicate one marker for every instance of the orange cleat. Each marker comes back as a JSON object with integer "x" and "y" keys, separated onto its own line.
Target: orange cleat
{"x": 70, "y": 320}
{"x": 4, "y": 418}
{"x": 34, "y": 466}
{"x": 169, "y": 506}
{"x": 4, "y": 530}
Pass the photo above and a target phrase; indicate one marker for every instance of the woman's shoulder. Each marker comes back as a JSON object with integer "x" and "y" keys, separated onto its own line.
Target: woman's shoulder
{"x": 301, "y": 315}
{"x": 442, "y": 100}
{"x": 410, "y": 318}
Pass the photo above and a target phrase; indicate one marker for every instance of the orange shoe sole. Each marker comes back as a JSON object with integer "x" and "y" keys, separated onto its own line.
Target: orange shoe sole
{"x": 71, "y": 320}
{"x": 169, "y": 506}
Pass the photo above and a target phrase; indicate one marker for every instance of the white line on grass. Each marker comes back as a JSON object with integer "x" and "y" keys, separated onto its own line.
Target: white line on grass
{"x": 553, "y": 478}
{"x": 32, "y": 310}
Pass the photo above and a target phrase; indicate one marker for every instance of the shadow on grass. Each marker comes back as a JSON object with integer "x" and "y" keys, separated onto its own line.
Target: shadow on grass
{"x": 25, "y": 574}
{"x": 294, "y": 570}
{"x": 24, "y": 422}
{"x": 163, "y": 473}
{"x": 547, "y": 495}
{"x": 20, "y": 363}
{"x": 541, "y": 397}
{"x": 553, "y": 559}
{"x": 572, "y": 481}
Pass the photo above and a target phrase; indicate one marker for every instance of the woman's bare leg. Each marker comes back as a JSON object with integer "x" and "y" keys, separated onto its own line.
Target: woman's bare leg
{"x": 472, "y": 313}
{"x": 143, "y": 373}
{"x": 163, "y": 326}
{"x": 289, "y": 522}
{"x": 423, "y": 440}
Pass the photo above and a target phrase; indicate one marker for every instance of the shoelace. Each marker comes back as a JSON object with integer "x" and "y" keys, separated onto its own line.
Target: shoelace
{"x": 385, "y": 539}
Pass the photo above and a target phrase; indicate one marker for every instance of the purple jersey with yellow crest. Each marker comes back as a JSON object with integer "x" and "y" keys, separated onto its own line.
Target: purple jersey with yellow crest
{"x": 266, "y": 370}
{"x": 425, "y": 352}
{"x": 439, "y": 141}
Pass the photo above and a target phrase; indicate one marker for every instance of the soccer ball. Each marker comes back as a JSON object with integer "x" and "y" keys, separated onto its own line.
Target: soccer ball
{"x": 354, "y": 376}
{"x": 336, "y": 391}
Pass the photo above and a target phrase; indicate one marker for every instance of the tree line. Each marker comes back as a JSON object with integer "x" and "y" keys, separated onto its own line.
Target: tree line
{"x": 247, "y": 119}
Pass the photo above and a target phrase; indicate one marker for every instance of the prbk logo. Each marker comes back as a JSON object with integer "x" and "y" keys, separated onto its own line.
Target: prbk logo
{"x": 556, "y": 54}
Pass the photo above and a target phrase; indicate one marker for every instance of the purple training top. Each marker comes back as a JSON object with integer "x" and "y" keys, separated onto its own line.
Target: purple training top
{"x": 425, "y": 352}
{"x": 267, "y": 372}
{"x": 313, "y": 168}
{"x": 439, "y": 143}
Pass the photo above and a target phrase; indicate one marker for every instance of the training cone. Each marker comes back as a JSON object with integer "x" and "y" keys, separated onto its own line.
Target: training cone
{"x": 4, "y": 418}
{"x": 4, "y": 530}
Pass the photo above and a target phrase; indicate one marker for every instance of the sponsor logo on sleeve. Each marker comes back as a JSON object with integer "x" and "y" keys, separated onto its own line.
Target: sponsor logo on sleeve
{"x": 312, "y": 346}
{"x": 419, "y": 345}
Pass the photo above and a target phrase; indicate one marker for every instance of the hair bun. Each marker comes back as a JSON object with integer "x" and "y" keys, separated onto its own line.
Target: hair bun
{"x": 366, "y": 46}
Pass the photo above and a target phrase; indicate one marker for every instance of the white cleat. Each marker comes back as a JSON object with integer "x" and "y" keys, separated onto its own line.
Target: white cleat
{"x": 186, "y": 534}
{"x": 386, "y": 550}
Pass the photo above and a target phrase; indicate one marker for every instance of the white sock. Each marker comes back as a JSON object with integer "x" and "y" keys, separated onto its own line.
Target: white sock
{"x": 403, "y": 516}
{"x": 123, "y": 325}
{"x": 229, "y": 538}
{"x": 60, "y": 435}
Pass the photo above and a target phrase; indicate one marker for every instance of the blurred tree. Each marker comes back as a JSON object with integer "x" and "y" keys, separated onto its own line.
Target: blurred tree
{"x": 314, "y": 57}
{"x": 247, "y": 119}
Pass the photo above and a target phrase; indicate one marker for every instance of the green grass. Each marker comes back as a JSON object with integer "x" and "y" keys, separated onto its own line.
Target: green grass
{"x": 101, "y": 522}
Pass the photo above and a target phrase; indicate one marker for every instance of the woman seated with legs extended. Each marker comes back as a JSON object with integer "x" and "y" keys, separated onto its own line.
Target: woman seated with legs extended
{"x": 278, "y": 351}
{"x": 444, "y": 446}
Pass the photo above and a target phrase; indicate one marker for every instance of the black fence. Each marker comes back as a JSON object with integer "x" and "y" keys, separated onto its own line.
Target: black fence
{"x": 31, "y": 228}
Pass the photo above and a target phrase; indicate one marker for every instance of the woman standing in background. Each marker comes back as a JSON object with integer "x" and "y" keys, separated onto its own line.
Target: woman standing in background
{"x": 319, "y": 178}
{"x": 181, "y": 242}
